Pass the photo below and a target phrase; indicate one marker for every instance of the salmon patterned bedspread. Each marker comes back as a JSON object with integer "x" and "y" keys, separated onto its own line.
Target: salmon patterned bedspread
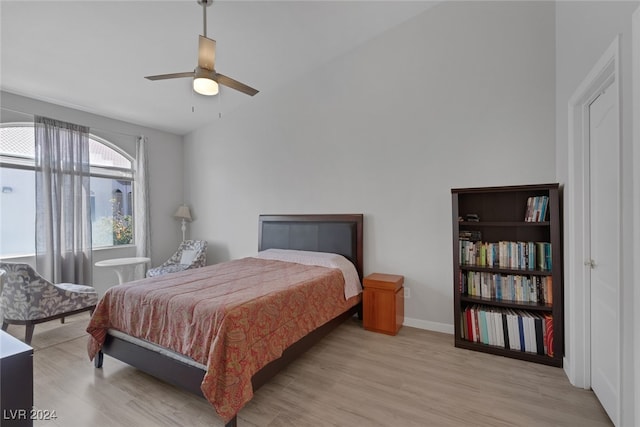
{"x": 233, "y": 317}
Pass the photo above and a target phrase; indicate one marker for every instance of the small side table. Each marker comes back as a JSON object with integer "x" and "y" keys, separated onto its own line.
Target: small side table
{"x": 383, "y": 301}
{"x": 124, "y": 267}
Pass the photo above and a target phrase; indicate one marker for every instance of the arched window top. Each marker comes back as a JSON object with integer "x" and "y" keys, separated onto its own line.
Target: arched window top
{"x": 102, "y": 153}
{"x": 17, "y": 140}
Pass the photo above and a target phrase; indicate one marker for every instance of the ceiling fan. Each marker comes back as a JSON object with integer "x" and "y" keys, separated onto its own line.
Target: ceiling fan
{"x": 205, "y": 77}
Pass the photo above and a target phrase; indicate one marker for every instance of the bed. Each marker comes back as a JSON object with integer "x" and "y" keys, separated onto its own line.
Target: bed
{"x": 247, "y": 366}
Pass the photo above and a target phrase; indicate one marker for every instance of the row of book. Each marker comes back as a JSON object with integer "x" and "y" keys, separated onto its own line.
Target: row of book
{"x": 504, "y": 254}
{"x": 507, "y": 287}
{"x": 515, "y": 330}
{"x": 536, "y": 209}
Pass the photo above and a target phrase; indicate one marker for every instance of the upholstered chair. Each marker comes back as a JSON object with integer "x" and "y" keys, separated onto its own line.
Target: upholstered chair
{"x": 28, "y": 299}
{"x": 190, "y": 254}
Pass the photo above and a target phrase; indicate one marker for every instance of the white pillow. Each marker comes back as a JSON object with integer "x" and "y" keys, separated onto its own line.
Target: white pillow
{"x": 188, "y": 256}
{"x": 352, "y": 285}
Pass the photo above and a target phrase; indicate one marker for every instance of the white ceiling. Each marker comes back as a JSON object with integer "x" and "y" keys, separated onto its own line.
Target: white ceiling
{"x": 93, "y": 55}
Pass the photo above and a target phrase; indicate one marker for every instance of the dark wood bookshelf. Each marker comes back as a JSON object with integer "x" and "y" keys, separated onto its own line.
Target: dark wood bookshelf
{"x": 501, "y": 212}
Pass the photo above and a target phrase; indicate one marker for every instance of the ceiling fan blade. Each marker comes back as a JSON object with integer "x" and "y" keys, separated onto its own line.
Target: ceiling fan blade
{"x": 234, "y": 84}
{"x": 170, "y": 76}
{"x": 206, "y": 53}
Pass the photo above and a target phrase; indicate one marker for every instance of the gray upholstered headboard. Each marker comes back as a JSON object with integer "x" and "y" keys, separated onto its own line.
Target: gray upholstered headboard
{"x": 340, "y": 234}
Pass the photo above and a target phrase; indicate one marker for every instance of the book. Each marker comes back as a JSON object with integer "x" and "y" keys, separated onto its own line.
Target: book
{"x": 476, "y": 328}
{"x": 470, "y": 235}
{"x": 521, "y": 332}
{"x": 531, "y": 255}
{"x": 497, "y": 317}
{"x": 548, "y": 323}
{"x": 547, "y": 256}
{"x": 505, "y": 331}
{"x": 494, "y": 327}
{"x": 543, "y": 255}
{"x": 491, "y": 339}
{"x": 514, "y": 336}
{"x": 472, "y": 217}
{"x": 539, "y": 330}
{"x": 543, "y": 209}
{"x": 528, "y": 215}
{"x": 484, "y": 336}
{"x": 549, "y": 287}
{"x": 536, "y": 209}
{"x": 463, "y": 325}
{"x": 484, "y": 286}
{"x": 533, "y": 347}
{"x": 469, "y": 332}
{"x": 526, "y": 332}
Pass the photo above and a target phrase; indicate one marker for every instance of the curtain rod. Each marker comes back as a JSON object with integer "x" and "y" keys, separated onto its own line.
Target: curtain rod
{"x": 90, "y": 127}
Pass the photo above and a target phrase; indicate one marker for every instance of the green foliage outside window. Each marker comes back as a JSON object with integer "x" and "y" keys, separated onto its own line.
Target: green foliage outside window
{"x": 113, "y": 231}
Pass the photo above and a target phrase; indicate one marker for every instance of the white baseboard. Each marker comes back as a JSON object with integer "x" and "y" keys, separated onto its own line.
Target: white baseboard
{"x": 429, "y": 326}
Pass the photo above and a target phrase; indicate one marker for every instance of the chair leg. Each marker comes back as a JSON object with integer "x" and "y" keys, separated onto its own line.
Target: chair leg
{"x": 62, "y": 320}
{"x": 28, "y": 334}
{"x": 5, "y": 325}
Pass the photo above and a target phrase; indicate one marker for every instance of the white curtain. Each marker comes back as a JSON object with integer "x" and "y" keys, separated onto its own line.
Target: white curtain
{"x": 141, "y": 201}
{"x": 63, "y": 210}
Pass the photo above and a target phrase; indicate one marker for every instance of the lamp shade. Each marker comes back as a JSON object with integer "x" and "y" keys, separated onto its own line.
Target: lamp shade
{"x": 183, "y": 213}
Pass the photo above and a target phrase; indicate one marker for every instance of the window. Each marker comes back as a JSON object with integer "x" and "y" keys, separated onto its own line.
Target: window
{"x": 111, "y": 192}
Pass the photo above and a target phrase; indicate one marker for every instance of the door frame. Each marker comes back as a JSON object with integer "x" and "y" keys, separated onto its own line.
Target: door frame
{"x": 604, "y": 74}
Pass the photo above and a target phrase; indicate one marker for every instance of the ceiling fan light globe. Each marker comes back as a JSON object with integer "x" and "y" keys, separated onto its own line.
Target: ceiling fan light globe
{"x": 205, "y": 86}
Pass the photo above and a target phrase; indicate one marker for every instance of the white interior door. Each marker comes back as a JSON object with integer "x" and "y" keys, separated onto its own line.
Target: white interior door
{"x": 604, "y": 201}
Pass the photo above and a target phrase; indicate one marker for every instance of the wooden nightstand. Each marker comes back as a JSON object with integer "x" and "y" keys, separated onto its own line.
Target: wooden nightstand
{"x": 383, "y": 301}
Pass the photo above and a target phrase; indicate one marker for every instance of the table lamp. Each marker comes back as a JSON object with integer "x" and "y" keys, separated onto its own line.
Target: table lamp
{"x": 184, "y": 214}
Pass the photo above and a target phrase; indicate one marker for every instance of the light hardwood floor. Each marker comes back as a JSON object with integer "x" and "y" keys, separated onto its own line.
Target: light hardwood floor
{"x": 351, "y": 378}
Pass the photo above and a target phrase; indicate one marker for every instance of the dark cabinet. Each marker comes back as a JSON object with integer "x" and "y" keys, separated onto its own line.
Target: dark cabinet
{"x": 16, "y": 382}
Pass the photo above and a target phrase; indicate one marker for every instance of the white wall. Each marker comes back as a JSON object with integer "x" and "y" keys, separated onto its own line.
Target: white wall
{"x": 636, "y": 203}
{"x": 584, "y": 30}
{"x": 165, "y": 173}
{"x": 460, "y": 96}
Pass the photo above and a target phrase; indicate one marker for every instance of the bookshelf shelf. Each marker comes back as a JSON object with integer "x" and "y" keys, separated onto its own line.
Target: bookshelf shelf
{"x": 520, "y": 271}
{"x": 533, "y": 306}
{"x": 507, "y": 353}
{"x": 503, "y": 224}
{"x": 500, "y": 306}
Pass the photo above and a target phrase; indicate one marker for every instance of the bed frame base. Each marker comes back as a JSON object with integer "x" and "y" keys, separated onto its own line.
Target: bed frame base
{"x": 189, "y": 378}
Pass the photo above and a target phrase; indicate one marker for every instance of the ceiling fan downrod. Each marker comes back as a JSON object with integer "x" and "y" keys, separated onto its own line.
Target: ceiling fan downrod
{"x": 205, "y": 4}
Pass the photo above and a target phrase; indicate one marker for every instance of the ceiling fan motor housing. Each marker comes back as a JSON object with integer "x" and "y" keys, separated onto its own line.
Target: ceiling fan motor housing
{"x": 203, "y": 73}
